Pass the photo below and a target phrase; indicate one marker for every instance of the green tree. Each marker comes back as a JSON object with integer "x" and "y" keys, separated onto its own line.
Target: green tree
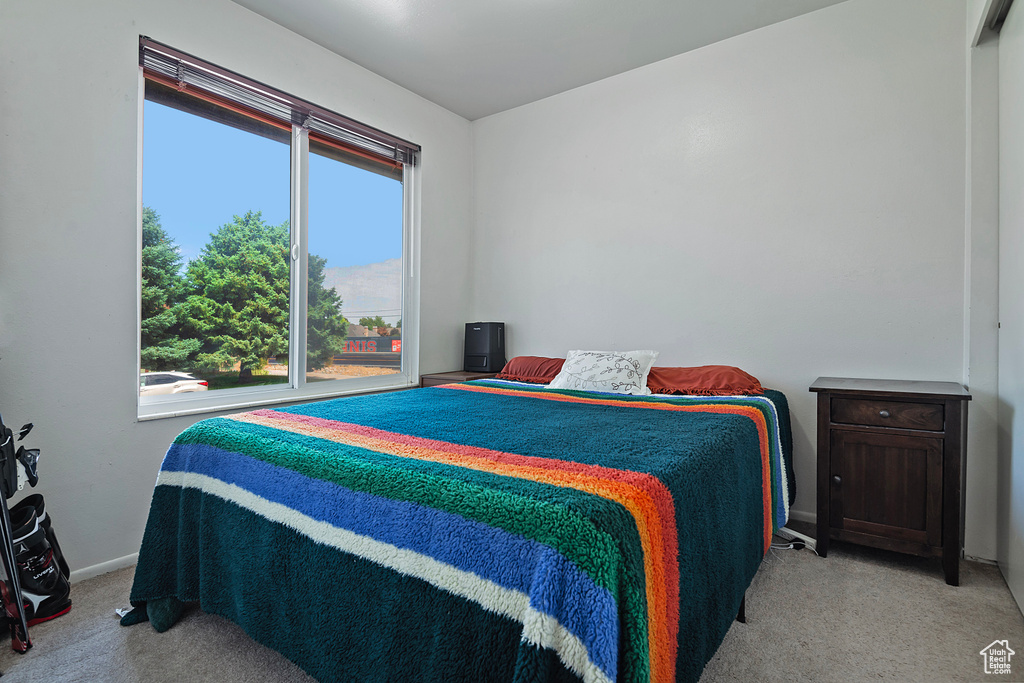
{"x": 373, "y": 322}
{"x": 325, "y": 326}
{"x": 162, "y": 290}
{"x": 237, "y": 295}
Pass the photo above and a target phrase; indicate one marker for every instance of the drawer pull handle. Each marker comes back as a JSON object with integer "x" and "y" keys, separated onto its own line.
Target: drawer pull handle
{"x": 837, "y": 480}
{"x": 884, "y": 413}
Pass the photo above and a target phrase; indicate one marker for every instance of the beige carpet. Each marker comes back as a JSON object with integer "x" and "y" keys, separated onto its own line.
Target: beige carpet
{"x": 866, "y": 615}
{"x": 858, "y": 615}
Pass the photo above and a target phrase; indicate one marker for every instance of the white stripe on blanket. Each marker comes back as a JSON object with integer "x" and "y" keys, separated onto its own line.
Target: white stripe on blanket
{"x": 539, "y": 629}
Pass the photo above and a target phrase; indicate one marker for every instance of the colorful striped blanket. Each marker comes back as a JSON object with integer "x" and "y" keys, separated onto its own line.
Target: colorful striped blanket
{"x": 486, "y": 531}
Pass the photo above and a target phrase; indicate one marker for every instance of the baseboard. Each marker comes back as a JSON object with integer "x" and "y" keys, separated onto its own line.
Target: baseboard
{"x": 811, "y": 518}
{"x": 801, "y": 516}
{"x": 104, "y": 567}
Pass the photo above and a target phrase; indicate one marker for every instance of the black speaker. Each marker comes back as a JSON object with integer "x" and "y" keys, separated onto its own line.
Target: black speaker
{"x": 485, "y": 347}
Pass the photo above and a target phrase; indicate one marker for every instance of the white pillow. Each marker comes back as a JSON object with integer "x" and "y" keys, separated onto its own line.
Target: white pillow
{"x": 618, "y": 372}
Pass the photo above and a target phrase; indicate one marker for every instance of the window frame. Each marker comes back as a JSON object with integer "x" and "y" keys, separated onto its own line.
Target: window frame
{"x": 297, "y": 389}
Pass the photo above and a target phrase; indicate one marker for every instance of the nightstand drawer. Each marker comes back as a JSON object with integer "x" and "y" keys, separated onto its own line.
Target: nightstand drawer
{"x": 882, "y": 413}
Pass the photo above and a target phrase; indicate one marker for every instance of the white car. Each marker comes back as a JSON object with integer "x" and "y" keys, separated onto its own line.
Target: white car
{"x": 155, "y": 383}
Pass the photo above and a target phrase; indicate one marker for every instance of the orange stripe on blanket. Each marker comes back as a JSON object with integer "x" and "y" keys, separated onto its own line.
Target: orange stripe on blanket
{"x": 643, "y": 495}
{"x": 722, "y": 408}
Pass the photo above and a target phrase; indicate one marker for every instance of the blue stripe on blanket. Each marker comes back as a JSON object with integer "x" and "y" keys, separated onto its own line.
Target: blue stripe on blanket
{"x": 586, "y": 610}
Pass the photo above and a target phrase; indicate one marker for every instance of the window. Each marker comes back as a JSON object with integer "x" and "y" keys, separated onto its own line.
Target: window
{"x": 276, "y": 258}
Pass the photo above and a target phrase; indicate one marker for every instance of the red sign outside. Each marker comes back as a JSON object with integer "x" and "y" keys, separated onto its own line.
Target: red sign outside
{"x": 361, "y": 346}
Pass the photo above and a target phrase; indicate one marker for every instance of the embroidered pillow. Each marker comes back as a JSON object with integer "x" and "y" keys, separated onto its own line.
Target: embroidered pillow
{"x": 536, "y": 369}
{"x": 613, "y": 371}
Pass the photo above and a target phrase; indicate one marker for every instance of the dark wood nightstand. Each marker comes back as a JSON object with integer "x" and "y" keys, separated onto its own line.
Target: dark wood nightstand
{"x": 435, "y": 378}
{"x": 891, "y": 466}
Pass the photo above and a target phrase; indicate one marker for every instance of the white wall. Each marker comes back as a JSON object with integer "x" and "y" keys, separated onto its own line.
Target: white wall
{"x": 791, "y": 201}
{"x": 68, "y": 142}
{"x": 1011, "y": 303}
{"x": 982, "y": 284}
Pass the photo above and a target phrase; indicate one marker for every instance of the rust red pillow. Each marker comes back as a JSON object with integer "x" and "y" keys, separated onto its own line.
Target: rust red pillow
{"x": 705, "y": 380}
{"x": 536, "y": 369}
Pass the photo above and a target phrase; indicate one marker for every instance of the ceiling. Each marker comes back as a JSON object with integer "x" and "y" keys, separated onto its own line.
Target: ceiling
{"x": 480, "y": 57}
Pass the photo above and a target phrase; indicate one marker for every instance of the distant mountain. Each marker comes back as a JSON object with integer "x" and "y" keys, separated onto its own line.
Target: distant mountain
{"x": 368, "y": 291}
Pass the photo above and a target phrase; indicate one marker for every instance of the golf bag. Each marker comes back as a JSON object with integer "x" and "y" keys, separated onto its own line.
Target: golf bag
{"x": 37, "y": 587}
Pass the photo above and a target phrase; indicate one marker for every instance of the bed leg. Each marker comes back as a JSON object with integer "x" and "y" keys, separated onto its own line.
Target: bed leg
{"x": 741, "y": 616}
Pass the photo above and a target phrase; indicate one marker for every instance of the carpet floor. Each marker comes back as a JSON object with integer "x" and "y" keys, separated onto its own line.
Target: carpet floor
{"x": 858, "y": 615}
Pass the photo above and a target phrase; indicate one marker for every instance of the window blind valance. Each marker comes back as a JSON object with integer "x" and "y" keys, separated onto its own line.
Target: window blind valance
{"x": 189, "y": 74}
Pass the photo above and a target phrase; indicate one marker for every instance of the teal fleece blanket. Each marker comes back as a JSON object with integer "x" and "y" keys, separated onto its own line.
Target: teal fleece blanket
{"x": 486, "y": 531}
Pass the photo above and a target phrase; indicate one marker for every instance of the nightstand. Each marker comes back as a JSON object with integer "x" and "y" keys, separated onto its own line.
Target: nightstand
{"x": 435, "y": 378}
{"x": 891, "y": 466}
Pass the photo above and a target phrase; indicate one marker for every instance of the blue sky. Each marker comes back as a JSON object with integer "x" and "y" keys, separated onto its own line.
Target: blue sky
{"x": 197, "y": 174}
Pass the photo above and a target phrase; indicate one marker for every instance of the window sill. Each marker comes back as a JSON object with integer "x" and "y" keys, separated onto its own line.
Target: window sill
{"x": 245, "y": 399}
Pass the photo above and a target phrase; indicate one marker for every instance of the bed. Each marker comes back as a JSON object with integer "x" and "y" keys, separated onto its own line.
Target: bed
{"x": 483, "y": 531}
